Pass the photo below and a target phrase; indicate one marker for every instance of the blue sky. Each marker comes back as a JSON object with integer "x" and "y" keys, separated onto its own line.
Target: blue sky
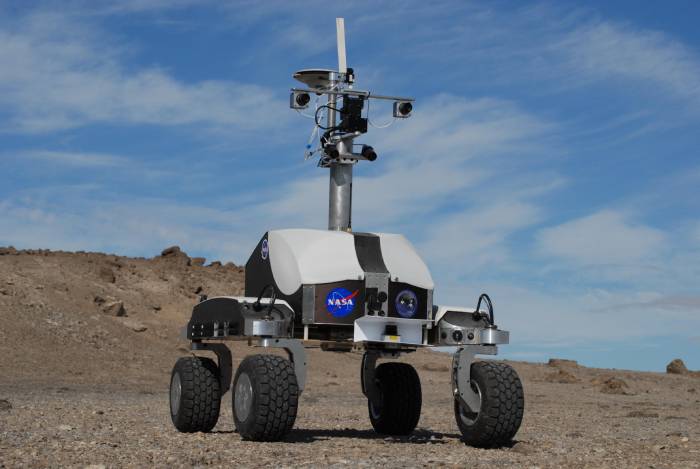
{"x": 552, "y": 159}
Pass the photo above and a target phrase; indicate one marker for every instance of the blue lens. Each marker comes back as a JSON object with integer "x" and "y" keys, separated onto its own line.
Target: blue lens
{"x": 406, "y": 304}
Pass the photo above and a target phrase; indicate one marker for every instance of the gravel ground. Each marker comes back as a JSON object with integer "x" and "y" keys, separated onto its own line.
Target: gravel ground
{"x": 656, "y": 423}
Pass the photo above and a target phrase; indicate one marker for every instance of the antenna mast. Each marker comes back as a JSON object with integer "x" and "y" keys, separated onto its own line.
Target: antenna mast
{"x": 343, "y": 125}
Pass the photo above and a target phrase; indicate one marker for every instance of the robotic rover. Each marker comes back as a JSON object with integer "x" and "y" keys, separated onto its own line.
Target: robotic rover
{"x": 347, "y": 290}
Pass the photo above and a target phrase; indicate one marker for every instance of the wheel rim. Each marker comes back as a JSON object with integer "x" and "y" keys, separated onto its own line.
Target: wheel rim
{"x": 243, "y": 397}
{"x": 467, "y": 415}
{"x": 175, "y": 393}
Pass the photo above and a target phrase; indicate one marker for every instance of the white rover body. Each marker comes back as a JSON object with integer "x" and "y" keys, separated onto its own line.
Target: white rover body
{"x": 349, "y": 291}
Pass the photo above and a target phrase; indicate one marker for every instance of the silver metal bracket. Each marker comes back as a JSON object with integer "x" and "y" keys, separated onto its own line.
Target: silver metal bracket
{"x": 223, "y": 354}
{"x": 297, "y": 355}
{"x": 368, "y": 370}
{"x": 461, "y": 374}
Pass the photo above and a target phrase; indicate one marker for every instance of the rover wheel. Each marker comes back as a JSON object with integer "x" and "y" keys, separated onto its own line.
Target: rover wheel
{"x": 500, "y": 413}
{"x": 265, "y": 398}
{"x": 195, "y": 394}
{"x": 400, "y": 399}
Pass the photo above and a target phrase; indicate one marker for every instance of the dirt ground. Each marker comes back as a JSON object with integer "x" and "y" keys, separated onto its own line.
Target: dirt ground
{"x": 87, "y": 342}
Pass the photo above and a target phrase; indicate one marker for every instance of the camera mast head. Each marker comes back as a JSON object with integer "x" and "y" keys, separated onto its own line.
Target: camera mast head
{"x": 344, "y": 116}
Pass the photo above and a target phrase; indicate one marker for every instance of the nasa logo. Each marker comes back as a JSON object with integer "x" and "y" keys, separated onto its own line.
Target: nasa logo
{"x": 264, "y": 249}
{"x": 340, "y": 302}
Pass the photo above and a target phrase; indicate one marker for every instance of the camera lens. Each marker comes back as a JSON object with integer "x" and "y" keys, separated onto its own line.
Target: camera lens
{"x": 302, "y": 99}
{"x": 405, "y": 108}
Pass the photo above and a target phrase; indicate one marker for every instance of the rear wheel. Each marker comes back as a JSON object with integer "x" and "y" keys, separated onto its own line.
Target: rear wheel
{"x": 399, "y": 404}
{"x": 195, "y": 394}
{"x": 500, "y": 412}
{"x": 265, "y": 398}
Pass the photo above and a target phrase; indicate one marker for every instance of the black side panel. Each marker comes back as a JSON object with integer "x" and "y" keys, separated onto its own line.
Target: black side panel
{"x": 258, "y": 274}
{"x": 339, "y": 302}
{"x": 226, "y": 312}
{"x": 369, "y": 253}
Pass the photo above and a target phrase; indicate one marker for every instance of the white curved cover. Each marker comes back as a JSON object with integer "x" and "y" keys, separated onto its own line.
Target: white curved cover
{"x": 403, "y": 262}
{"x": 300, "y": 257}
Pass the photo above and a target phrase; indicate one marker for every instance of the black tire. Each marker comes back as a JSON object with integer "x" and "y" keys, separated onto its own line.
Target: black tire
{"x": 502, "y": 405}
{"x": 268, "y": 395}
{"x": 400, "y": 399}
{"x": 195, "y": 407}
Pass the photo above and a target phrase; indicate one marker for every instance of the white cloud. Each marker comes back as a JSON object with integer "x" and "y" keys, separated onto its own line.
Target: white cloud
{"x": 59, "y": 74}
{"x": 607, "y": 50}
{"x": 84, "y": 160}
{"x": 603, "y": 238}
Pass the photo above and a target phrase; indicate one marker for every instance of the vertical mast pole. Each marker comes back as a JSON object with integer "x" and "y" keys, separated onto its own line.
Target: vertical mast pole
{"x": 340, "y": 186}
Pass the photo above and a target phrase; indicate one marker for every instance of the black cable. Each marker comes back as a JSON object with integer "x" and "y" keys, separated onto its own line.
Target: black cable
{"x": 316, "y": 118}
{"x": 489, "y": 306}
{"x": 273, "y": 297}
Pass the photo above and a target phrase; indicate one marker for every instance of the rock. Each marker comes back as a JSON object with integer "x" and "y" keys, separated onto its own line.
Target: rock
{"x": 613, "y": 385}
{"x": 107, "y": 275}
{"x": 198, "y": 290}
{"x": 677, "y": 367}
{"x": 171, "y": 251}
{"x": 65, "y": 428}
{"x": 198, "y": 261}
{"x": 561, "y": 362}
{"x": 9, "y": 250}
{"x": 523, "y": 448}
{"x": 99, "y": 300}
{"x": 96, "y": 466}
{"x": 642, "y": 414}
{"x": 561, "y": 376}
{"x": 114, "y": 308}
{"x": 215, "y": 264}
{"x": 134, "y": 325}
{"x": 230, "y": 265}
{"x": 5, "y": 405}
{"x": 156, "y": 307}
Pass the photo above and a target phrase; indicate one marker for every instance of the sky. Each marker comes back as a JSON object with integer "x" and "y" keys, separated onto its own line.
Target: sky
{"x": 552, "y": 159}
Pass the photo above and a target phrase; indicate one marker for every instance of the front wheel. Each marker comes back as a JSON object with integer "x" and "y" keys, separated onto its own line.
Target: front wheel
{"x": 265, "y": 398}
{"x": 399, "y": 404}
{"x": 500, "y": 412}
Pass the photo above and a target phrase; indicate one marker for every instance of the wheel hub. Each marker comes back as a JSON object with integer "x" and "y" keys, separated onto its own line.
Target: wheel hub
{"x": 175, "y": 393}
{"x": 243, "y": 397}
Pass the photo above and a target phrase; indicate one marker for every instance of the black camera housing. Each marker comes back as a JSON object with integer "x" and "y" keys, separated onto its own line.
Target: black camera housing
{"x": 351, "y": 112}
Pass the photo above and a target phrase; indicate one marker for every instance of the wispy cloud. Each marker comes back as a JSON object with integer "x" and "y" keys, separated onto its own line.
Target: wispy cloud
{"x": 602, "y": 238}
{"x": 76, "y": 159}
{"x": 58, "y": 74}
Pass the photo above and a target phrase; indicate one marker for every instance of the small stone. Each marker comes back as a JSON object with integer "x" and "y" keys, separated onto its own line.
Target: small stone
{"x": 134, "y": 325}
{"x": 198, "y": 290}
{"x": 613, "y": 385}
{"x": 156, "y": 307}
{"x": 5, "y": 405}
{"x": 677, "y": 367}
{"x": 98, "y": 412}
{"x": 685, "y": 439}
{"x": 65, "y": 428}
{"x": 642, "y": 414}
{"x": 114, "y": 308}
{"x": 215, "y": 264}
{"x": 96, "y": 466}
{"x": 99, "y": 300}
{"x": 523, "y": 448}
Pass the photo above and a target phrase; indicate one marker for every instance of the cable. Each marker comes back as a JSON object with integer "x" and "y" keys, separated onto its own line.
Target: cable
{"x": 489, "y": 306}
{"x": 316, "y": 117}
{"x": 380, "y": 126}
{"x": 271, "y": 304}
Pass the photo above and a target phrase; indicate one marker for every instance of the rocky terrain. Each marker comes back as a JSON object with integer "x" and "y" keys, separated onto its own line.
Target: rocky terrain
{"x": 87, "y": 341}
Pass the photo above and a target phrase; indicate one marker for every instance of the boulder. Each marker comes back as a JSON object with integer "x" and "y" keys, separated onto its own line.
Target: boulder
{"x": 4, "y": 251}
{"x": 677, "y": 367}
{"x": 215, "y": 264}
{"x": 171, "y": 251}
{"x": 198, "y": 261}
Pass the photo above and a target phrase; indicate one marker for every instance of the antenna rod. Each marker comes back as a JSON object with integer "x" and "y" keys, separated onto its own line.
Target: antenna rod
{"x": 340, "y": 186}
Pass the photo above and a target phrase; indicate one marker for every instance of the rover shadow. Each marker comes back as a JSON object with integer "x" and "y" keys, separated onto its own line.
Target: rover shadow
{"x": 419, "y": 436}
